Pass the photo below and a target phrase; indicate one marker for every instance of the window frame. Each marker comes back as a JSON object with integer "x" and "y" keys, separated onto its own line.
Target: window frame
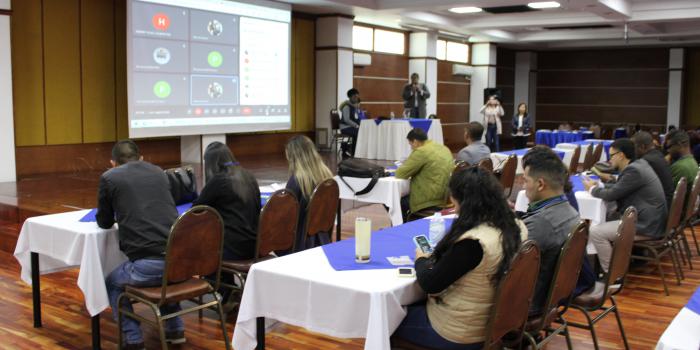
{"x": 447, "y": 41}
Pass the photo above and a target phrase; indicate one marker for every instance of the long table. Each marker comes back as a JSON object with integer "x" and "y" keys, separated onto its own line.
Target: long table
{"x": 387, "y": 191}
{"x": 684, "y": 331}
{"x": 386, "y": 139}
{"x": 499, "y": 158}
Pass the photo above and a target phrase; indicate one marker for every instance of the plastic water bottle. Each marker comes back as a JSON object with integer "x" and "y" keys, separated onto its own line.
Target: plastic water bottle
{"x": 392, "y": 115}
{"x": 437, "y": 229}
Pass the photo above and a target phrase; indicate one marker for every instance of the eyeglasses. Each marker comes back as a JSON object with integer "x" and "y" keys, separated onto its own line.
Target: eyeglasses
{"x": 613, "y": 154}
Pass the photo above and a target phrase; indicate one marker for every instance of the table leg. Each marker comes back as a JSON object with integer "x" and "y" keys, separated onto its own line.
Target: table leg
{"x": 260, "y": 330}
{"x": 339, "y": 218}
{"x": 36, "y": 290}
{"x": 95, "y": 320}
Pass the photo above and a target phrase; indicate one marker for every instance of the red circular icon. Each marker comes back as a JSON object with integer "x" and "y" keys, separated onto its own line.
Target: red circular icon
{"x": 161, "y": 21}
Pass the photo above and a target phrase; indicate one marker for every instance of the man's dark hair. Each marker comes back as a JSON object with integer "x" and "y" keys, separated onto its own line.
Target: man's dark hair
{"x": 415, "y": 75}
{"x": 626, "y": 146}
{"x": 475, "y": 130}
{"x": 544, "y": 163}
{"x": 678, "y": 137}
{"x": 125, "y": 151}
{"x": 643, "y": 140}
{"x": 352, "y": 92}
{"x": 417, "y": 134}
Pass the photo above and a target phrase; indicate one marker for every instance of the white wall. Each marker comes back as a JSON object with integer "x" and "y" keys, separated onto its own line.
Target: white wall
{"x": 483, "y": 76}
{"x": 675, "y": 87}
{"x": 8, "y": 171}
{"x": 5, "y": 5}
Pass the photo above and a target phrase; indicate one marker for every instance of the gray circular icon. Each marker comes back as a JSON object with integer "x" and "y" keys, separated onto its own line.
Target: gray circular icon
{"x": 161, "y": 55}
{"x": 215, "y": 27}
{"x": 215, "y": 90}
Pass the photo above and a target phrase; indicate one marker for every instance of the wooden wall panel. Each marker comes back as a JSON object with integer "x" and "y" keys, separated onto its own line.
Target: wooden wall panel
{"x": 589, "y": 96}
{"x": 604, "y": 59}
{"x": 505, "y": 80}
{"x": 453, "y": 92}
{"x": 379, "y": 90}
{"x": 385, "y": 65}
{"x": 584, "y": 115}
{"x": 453, "y": 113}
{"x": 378, "y": 109}
{"x": 303, "y": 74}
{"x": 631, "y": 78}
{"x": 97, "y": 52}
{"x": 120, "y": 90}
{"x": 453, "y": 136}
{"x": 28, "y": 73}
{"x": 243, "y": 145}
{"x": 691, "y": 115}
{"x": 62, "y": 71}
{"x": 445, "y": 73}
{"x": 452, "y": 102}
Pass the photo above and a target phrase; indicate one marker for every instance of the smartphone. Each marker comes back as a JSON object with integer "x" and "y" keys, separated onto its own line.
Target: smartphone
{"x": 422, "y": 243}
{"x": 406, "y": 272}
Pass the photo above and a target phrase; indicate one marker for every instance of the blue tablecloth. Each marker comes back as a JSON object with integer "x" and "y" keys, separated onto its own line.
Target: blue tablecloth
{"x": 620, "y": 133}
{"x": 606, "y": 145}
{"x": 694, "y": 302}
{"x": 395, "y": 241}
{"x": 552, "y": 138}
{"x": 415, "y": 123}
{"x": 521, "y": 152}
{"x": 576, "y": 180}
{"x": 90, "y": 216}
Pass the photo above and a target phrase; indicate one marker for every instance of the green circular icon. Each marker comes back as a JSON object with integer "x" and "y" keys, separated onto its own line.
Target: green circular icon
{"x": 162, "y": 89}
{"x": 215, "y": 59}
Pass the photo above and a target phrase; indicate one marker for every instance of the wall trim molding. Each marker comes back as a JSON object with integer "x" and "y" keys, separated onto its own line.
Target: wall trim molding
{"x": 4, "y": 12}
{"x": 379, "y": 78}
{"x": 330, "y": 48}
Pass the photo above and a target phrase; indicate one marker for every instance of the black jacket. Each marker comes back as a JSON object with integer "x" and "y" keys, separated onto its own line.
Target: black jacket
{"x": 663, "y": 171}
{"x": 137, "y": 196}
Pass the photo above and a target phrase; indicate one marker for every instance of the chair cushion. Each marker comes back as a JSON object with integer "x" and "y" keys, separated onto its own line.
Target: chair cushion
{"x": 594, "y": 296}
{"x": 242, "y": 266}
{"x": 176, "y": 292}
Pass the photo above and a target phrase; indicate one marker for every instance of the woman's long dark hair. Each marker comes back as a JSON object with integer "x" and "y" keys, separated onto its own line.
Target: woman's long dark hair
{"x": 481, "y": 200}
{"x": 517, "y": 113}
{"x": 219, "y": 160}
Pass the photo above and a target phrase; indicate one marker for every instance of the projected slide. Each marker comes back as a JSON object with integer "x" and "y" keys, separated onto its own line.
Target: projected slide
{"x": 207, "y": 66}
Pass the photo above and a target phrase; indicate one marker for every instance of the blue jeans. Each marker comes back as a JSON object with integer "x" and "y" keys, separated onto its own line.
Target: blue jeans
{"x": 492, "y": 138}
{"x": 139, "y": 273}
{"x": 416, "y": 329}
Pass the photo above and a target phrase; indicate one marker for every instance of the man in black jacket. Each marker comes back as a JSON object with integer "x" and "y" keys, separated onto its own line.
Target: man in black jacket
{"x": 136, "y": 194}
{"x": 645, "y": 149}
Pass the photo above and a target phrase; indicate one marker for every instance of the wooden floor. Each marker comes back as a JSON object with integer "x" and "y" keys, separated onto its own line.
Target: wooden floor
{"x": 645, "y": 310}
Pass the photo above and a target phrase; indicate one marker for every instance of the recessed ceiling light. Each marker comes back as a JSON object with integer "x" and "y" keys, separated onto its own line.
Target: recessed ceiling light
{"x": 544, "y": 5}
{"x": 468, "y": 9}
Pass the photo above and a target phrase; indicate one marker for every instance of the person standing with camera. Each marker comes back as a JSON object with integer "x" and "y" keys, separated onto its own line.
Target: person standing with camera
{"x": 493, "y": 112}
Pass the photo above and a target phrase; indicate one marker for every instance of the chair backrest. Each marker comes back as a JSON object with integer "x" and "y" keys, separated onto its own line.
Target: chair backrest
{"x": 278, "y": 223}
{"x": 335, "y": 119}
{"x": 194, "y": 246}
{"x": 573, "y": 166}
{"x": 692, "y": 199}
{"x": 459, "y": 166}
{"x": 621, "y": 251}
{"x": 676, "y": 211}
{"x": 486, "y": 164}
{"x": 322, "y": 209}
{"x": 513, "y": 296}
{"x": 597, "y": 153}
{"x": 508, "y": 172}
{"x": 566, "y": 273}
{"x": 588, "y": 160}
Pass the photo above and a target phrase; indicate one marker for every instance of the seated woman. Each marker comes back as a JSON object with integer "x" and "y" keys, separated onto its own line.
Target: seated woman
{"x": 235, "y": 194}
{"x": 306, "y": 170}
{"x": 462, "y": 274}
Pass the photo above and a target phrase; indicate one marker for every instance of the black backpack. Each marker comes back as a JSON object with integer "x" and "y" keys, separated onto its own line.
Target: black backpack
{"x": 362, "y": 169}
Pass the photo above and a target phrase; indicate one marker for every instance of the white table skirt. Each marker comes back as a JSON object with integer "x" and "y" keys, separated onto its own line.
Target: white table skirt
{"x": 387, "y": 191}
{"x": 499, "y": 160}
{"x": 63, "y": 242}
{"x": 388, "y": 139}
{"x": 683, "y": 333}
{"x": 302, "y": 289}
{"x": 584, "y": 149}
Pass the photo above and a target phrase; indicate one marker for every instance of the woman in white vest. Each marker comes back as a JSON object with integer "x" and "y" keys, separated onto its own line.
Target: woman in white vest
{"x": 462, "y": 274}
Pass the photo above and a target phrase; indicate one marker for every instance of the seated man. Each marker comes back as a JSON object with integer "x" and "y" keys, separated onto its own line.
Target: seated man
{"x": 646, "y": 150}
{"x": 475, "y": 150}
{"x": 351, "y": 114}
{"x": 549, "y": 217}
{"x": 636, "y": 186}
{"x": 683, "y": 163}
{"x": 429, "y": 167}
{"x": 137, "y": 195}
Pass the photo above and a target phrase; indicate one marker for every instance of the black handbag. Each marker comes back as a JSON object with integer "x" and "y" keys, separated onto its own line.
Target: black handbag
{"x": 362, "y": 169}
{"x": 183, "y": 184}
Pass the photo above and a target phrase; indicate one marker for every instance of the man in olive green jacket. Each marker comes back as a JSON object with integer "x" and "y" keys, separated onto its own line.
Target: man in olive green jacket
{"x": 429, "y": 168}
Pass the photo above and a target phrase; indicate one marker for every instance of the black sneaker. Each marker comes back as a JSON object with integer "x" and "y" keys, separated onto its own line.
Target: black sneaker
{"x": 175, "y": 337}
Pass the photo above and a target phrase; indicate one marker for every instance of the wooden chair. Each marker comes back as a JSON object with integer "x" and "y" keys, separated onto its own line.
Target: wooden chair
{"x": 691, "y": 212}
{"x": 322, "y": 210}
{"x": 562, "y": 286}
{"x": 594, "y": 299}
{"x": 588, "y": 160}
{"x": 573, "y": 166}
{"x": 194, "y": 249}
{"x": 486, "y": 164}
{"x": 508, "y": 174}
{"x": 511, "y": 302}
{"x": 597, "y": 153}
{"x": 277, "y": 227}
{"x": 459, "y": 166}
{"x": 665, "y": 245}
{"x": 337, "y": 136}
